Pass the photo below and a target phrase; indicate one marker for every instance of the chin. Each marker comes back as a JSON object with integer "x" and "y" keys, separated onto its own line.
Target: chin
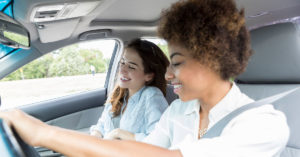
{"x": 123, "y": 86}
{"x": 185, "y": 98}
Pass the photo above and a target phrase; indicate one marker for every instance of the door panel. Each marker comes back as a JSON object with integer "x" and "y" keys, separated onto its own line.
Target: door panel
{"x": 79, "y": 121}
{"x": 78, "y": 111}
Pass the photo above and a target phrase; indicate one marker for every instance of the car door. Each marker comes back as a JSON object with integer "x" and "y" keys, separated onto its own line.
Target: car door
{"x": 78, "y": 110}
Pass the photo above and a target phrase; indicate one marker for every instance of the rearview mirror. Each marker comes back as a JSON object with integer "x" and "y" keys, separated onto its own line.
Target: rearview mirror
{"x": 12, "y": 33}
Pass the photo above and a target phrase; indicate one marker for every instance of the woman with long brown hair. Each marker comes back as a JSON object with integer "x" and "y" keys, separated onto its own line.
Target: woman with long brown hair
{"x": 138, "y": 101}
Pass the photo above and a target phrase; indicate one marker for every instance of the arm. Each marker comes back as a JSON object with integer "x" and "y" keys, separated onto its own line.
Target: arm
{"x": 72, "y": 143}
{"x": 98, "y": 129}
{"x": 89, "y": 146}
{"x": 155, "y": 107}
{"x": 160, "y": 136}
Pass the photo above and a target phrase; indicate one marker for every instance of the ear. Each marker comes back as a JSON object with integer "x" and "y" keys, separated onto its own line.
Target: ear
{"x": 149, "y": 77}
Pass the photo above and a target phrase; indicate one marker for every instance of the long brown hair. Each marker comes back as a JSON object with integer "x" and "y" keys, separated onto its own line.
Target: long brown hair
{"x": 154, "y": 61}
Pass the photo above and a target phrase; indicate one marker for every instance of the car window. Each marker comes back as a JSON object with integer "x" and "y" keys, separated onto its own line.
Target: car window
{"x": 76, "y": 68}
{"x": 4, "y": 50}
{"x": 161, "y": 43}
{"x": 6, "y": 7}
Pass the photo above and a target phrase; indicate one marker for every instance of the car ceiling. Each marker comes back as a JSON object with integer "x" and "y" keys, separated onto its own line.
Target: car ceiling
{"x": 127, "y": 19}
{"x": 121, "y": 19}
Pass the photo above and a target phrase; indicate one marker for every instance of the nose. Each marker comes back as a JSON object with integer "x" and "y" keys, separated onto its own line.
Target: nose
{"x": 169, "y": 74}
{"x": 123, "y": 69}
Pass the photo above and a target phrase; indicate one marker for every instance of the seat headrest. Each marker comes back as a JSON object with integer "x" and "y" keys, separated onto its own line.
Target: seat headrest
{"x": 276, "y": 57}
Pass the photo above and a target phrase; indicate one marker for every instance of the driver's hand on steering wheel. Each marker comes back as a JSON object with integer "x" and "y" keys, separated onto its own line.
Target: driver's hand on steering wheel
{"x": 30, "y": 129}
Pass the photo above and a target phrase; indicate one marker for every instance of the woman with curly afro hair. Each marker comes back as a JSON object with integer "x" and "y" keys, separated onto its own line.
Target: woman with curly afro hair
{"x": 208, "y": 44}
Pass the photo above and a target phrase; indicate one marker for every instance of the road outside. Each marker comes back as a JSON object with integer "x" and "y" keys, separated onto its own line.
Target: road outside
{"x": 22, "y": 92}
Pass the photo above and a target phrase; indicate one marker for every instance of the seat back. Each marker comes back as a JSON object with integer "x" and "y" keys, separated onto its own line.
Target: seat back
{"x": 274, "y": 68}
{"x": 289, "y": 105}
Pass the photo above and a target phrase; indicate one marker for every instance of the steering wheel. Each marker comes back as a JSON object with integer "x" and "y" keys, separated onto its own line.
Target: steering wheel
{"x": 11, "y": 145}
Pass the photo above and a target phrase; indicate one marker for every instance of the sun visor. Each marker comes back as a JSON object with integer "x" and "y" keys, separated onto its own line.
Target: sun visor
{"x": 55, "y": 12}
{"x": 48, "y": 31}
{"x": 276, "y": 56}
{"x": 51, "y": 19}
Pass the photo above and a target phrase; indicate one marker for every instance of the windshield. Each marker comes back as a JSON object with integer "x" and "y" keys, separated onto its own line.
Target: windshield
{"x": 6, "y": 7}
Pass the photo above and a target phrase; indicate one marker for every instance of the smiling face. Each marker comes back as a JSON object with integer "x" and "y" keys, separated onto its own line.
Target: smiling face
{"x": 131, "y": 73}
{"x": 191, "y": 79}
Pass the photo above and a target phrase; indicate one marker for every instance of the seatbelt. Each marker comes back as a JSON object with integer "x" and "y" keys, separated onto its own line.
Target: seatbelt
{"x": 217, "y": 129}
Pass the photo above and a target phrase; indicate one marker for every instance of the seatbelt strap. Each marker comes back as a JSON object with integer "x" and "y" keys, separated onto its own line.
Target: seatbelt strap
{"x": 217, "y": 129}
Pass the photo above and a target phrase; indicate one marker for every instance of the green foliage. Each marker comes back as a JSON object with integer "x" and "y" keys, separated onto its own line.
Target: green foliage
{"x": 38, "y": 68}
{"x": 17, "y": 75}
{"x": 95, "y": 58}
{"x": 67, "y": 61}
{"x": 164, "y": 48}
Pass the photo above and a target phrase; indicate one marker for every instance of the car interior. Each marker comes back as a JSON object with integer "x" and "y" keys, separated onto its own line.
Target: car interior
{"x": 53, "y": 24}
{"x": 272, "y": 70}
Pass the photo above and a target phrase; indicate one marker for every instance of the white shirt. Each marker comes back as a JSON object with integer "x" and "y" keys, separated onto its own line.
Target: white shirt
{"x": 258, "y": 132}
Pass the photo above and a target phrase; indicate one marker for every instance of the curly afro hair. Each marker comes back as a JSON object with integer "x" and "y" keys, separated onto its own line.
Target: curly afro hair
{"x": 213, "y": 31}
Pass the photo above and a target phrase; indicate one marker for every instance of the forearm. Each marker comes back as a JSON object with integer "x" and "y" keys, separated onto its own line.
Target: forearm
{"x": 71, "y": 143}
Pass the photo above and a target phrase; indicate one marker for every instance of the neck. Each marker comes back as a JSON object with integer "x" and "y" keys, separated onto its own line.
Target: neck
{"x": 214, "y": 95}
{"x": 131, "y": 92}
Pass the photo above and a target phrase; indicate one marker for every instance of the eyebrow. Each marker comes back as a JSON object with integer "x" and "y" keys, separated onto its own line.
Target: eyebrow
{"x": 174, "y": 54}
{"x": 129, "y": 62}
{"x": 133, "y": 63}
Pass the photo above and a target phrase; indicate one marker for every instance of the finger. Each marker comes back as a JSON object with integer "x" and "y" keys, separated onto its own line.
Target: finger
{"x": 5, "y": 116}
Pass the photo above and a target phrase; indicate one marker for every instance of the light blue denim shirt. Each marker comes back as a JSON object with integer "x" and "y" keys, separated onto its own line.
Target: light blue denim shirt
{"x": 143, "y": 111}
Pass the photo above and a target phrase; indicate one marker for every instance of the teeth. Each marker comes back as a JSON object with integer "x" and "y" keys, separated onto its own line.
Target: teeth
{"x": 177, "y": 86}
{"x": 124, "y": 79}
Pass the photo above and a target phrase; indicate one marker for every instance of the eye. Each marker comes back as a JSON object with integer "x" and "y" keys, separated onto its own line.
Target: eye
{"x": 122, "y": 62}
{"x": 131, "y": 67}
{"x": 176, "y": 64}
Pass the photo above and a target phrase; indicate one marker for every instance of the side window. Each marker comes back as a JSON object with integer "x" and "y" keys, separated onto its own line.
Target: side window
{"x": 162, "y": 44}
{"x": 73, "y": 69}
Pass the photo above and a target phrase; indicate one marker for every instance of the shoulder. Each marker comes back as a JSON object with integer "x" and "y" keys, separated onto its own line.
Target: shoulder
{"x": 267, "y": 118}
{"x": 269, "y": 112}
{"x": 266, "y": 122}
{"x": 154, "y": 98}
{"x": 151, "y": 91}
{"x": 107, "y": 106}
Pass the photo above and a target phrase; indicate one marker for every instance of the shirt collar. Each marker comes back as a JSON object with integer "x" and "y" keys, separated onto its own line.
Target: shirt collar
{"x": 192, "y": 106}
{"x": 226, "y": 105}
{"x": 136, "y": 96}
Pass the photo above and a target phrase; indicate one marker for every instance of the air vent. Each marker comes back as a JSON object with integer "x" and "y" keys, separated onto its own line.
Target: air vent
{"x": 62, "y": 11}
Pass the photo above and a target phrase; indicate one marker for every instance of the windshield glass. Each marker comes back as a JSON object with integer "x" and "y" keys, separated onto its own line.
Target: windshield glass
{"x": 6, "y": 7}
